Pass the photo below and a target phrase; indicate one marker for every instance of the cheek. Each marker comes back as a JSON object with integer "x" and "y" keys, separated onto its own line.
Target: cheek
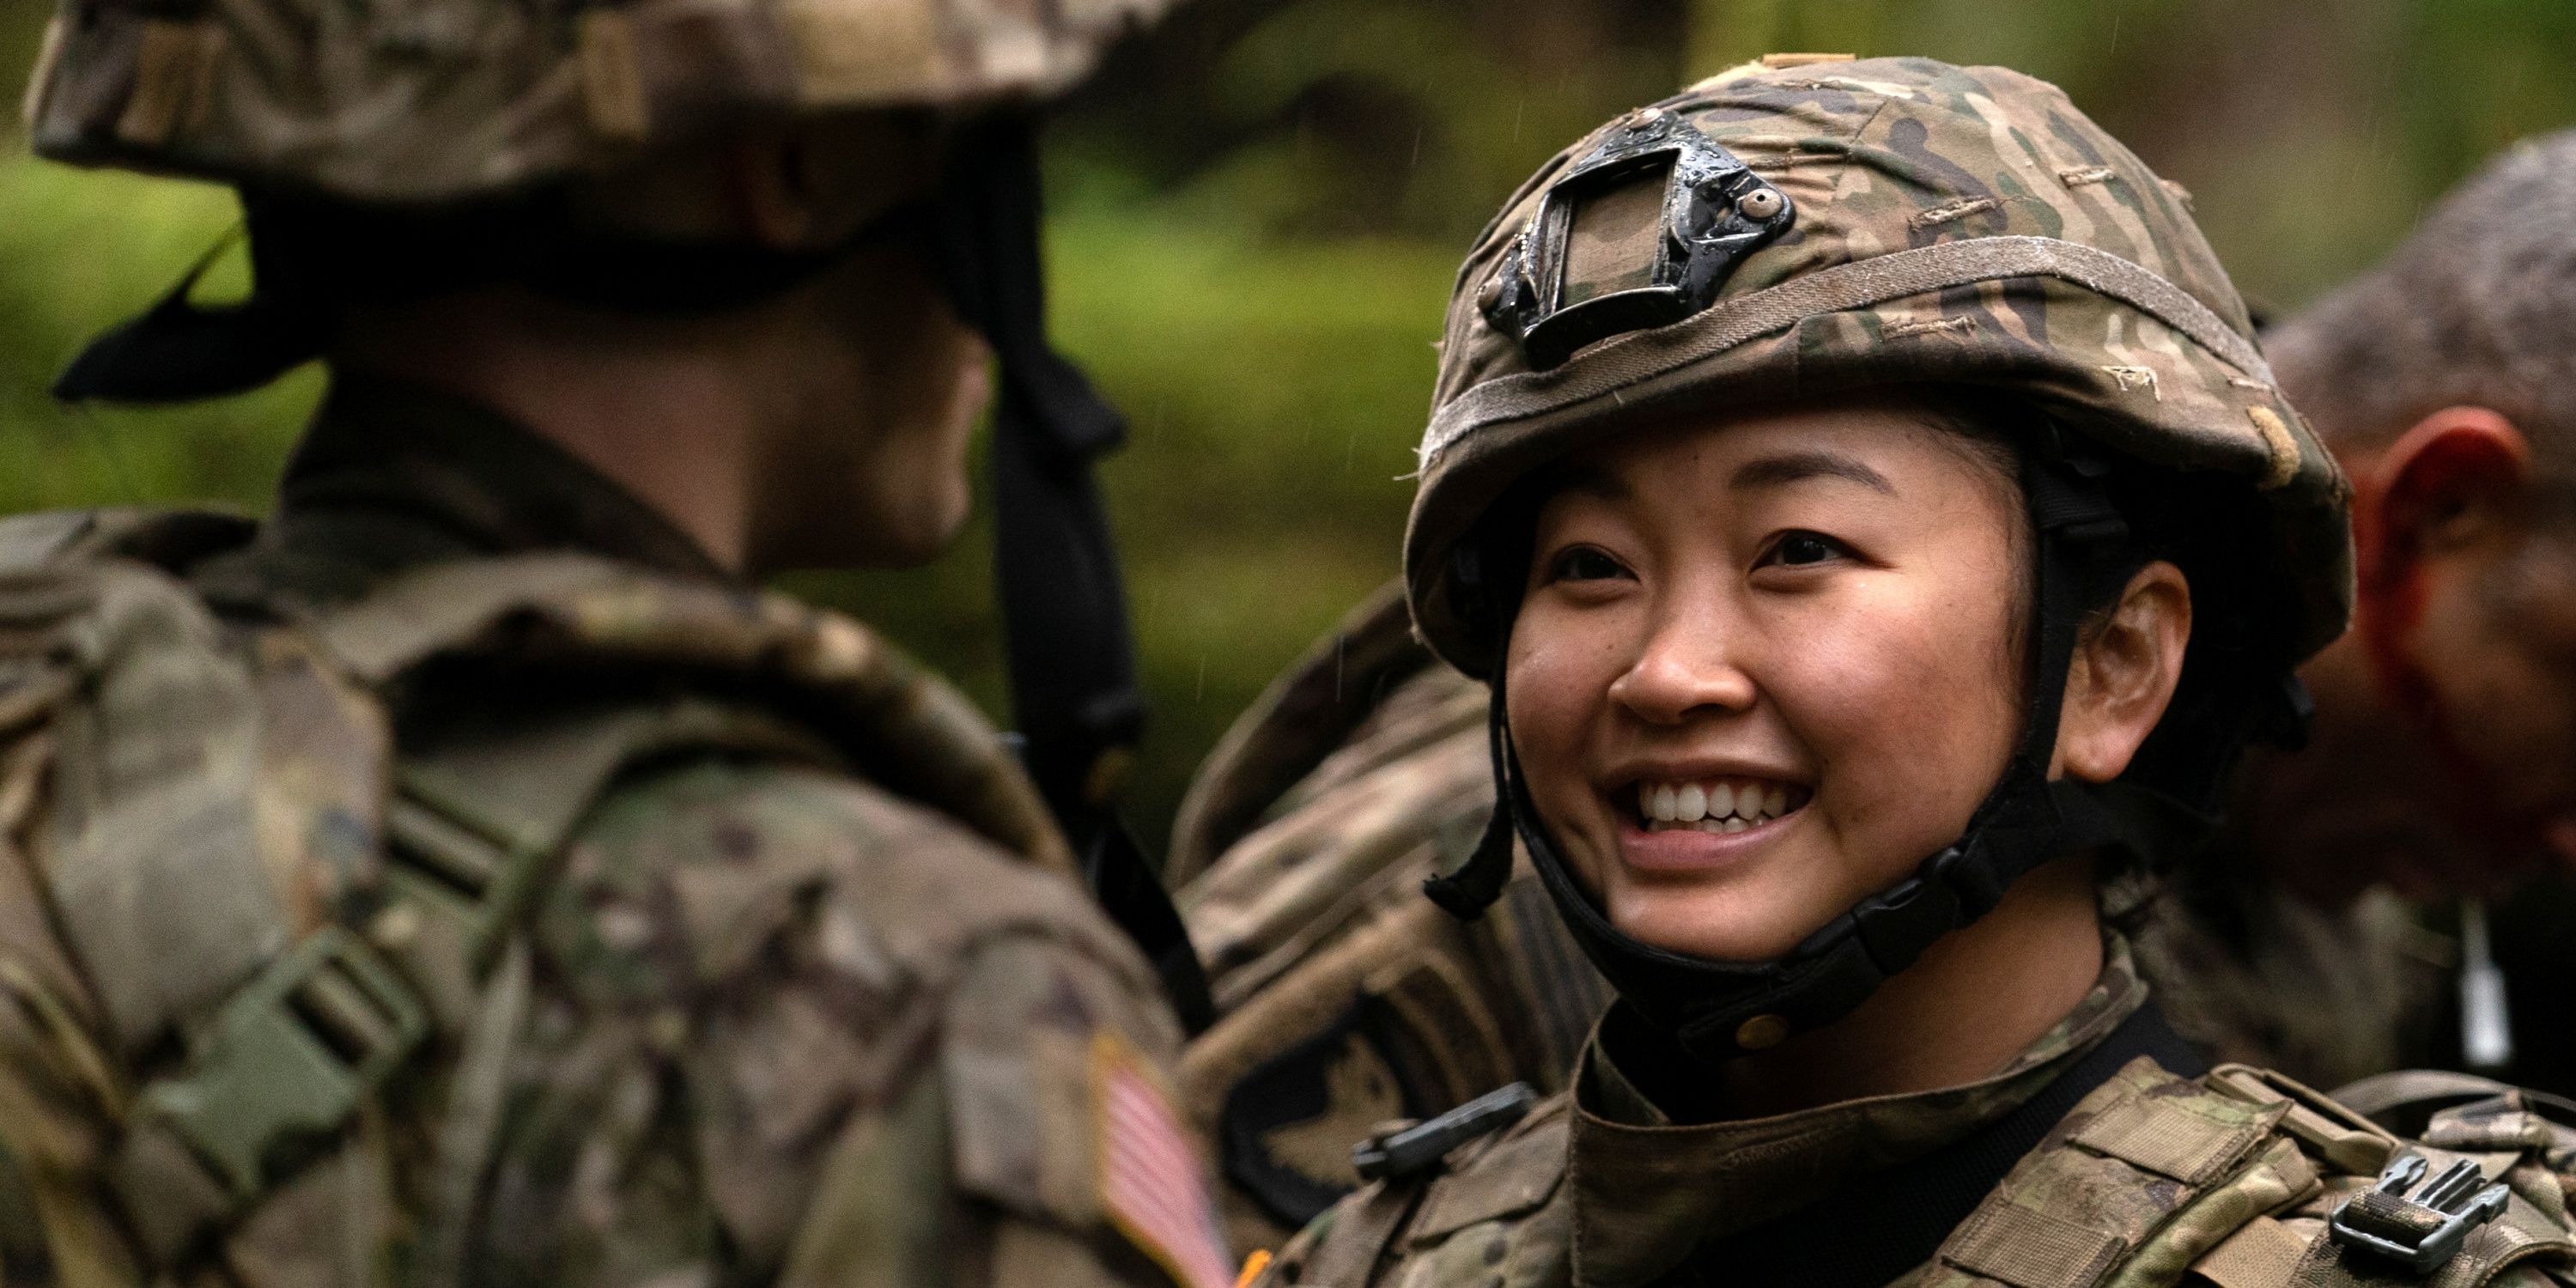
{"x": 1910, "y": 720}
{"x": 2508, "y": 699}
{"x": 1559, "y": 673}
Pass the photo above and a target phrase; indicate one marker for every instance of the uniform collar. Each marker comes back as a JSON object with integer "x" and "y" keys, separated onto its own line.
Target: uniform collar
{"x": 392, "y": 476}
{"x": 1646, "y": 1191}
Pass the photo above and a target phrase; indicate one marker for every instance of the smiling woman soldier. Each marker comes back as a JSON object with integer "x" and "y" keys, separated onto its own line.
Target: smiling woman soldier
{"x": 1880, "y": 533}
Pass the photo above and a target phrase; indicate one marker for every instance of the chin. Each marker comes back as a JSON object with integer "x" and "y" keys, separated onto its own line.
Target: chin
{"x": 1718, "y": 925}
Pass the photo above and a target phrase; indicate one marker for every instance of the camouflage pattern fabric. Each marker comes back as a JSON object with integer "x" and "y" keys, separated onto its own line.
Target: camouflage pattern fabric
{"x": 2150, "y": 1180}
{"x": 1346, "y": 998}
{"x": 435, "y": 102}
{"x": 1960, "y": 226}
{"x": 758, "y": 1017}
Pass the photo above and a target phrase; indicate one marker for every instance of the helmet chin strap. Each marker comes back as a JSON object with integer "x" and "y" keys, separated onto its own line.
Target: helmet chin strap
{"x": 1719, "y": 1010}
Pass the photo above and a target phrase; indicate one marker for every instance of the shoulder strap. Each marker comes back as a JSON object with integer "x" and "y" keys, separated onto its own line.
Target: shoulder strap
{"x": 194, "y": 860}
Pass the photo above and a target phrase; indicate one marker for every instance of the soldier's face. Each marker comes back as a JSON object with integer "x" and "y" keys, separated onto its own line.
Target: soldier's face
{"x": 1764, "y": 668}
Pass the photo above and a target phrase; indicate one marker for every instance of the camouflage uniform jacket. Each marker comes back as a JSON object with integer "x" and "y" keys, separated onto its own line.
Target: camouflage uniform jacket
{"x": 761, "y": 1010}
{"x": 2150, "y": 1179}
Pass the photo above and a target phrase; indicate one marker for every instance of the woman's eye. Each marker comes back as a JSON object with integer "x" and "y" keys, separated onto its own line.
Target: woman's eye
{"x": 1800, "y": 548}
{"x": 1584, "y": 563}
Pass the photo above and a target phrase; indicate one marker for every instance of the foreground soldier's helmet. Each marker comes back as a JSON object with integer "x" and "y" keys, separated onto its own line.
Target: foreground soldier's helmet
{"x": 445, "y": 100}
{"x": 1795, "y": 231}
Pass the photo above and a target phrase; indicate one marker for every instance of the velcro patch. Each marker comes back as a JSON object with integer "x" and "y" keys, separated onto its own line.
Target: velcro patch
{"x": 1150, "y": 1187}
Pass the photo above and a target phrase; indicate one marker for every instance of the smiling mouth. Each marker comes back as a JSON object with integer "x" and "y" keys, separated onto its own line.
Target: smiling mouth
{"x": 1716, "y": 804}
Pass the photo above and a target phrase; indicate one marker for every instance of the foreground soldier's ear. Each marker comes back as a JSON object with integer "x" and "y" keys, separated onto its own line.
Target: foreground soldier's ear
{"x": 812, "y": 183}
{"x": 2123, "y": 675}
{"x": 2446, "y": 485}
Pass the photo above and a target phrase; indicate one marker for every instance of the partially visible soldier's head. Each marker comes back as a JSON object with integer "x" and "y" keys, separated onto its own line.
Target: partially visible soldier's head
{"x": 599, "y": 218}
{"x": 2445, "y": 380}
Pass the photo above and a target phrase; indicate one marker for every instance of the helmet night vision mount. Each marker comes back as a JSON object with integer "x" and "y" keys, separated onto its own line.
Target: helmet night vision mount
{"x": 1638, "y": 233}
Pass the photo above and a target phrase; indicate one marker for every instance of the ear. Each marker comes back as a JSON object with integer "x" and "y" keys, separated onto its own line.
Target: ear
{"x": 2124, "y": 674}
{"x": 812, "y": 183}
{"x": 2444, "y": 486}
{"x": 767, "y": 188}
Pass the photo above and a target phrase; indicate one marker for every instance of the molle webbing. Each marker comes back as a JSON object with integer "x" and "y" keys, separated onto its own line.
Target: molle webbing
{"x": 2227, "y": 1179}
{"x": 2101, "y": 1193}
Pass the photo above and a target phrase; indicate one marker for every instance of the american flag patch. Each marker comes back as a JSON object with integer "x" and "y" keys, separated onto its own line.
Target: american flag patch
{"x": 1150, "y": 1188}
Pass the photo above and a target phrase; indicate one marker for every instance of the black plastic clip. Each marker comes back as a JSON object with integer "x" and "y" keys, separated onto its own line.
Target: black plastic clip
{"x": 2423, "y": 1230}
{"x": 1408, "y": 1150}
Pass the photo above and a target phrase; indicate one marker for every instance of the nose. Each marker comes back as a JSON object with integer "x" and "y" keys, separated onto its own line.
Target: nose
{"x": 1688, "y": 667}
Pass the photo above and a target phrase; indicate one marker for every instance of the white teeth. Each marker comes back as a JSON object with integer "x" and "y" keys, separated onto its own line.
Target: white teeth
{"x": 1719, "y": 806}
{"x": 1721, "y": 800}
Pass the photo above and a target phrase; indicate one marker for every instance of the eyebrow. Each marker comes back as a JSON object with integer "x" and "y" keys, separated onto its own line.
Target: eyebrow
{"x": 1793, "y": 467}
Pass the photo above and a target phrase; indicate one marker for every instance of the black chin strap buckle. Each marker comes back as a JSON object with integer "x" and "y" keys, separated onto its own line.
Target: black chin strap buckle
{"x": 1897, "y": 924}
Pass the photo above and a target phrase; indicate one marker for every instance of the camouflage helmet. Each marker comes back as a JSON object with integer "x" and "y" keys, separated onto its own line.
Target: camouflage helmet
{"x": 1894, "y": 220}
{"x": 440, "y": 100}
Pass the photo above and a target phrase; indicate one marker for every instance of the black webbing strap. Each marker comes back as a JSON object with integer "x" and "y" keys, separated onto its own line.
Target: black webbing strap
{"x": 1474, "y": 885}
{"x": 1064, "y": 606}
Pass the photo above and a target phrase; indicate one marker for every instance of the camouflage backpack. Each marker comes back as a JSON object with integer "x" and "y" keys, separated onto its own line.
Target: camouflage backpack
{"x": 352, "y": 899}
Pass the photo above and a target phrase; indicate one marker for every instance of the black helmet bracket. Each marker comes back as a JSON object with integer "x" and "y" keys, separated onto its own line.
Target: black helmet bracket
{"x": 1563, "y": 283}
{"x": 1720, "y": 1010}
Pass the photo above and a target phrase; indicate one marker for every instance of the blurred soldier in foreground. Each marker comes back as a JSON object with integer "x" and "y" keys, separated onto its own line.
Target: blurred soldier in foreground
{"x": 1862, "y": 494}
{"x": 468, "y": 874}
{"x": 2442, "y": 761}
